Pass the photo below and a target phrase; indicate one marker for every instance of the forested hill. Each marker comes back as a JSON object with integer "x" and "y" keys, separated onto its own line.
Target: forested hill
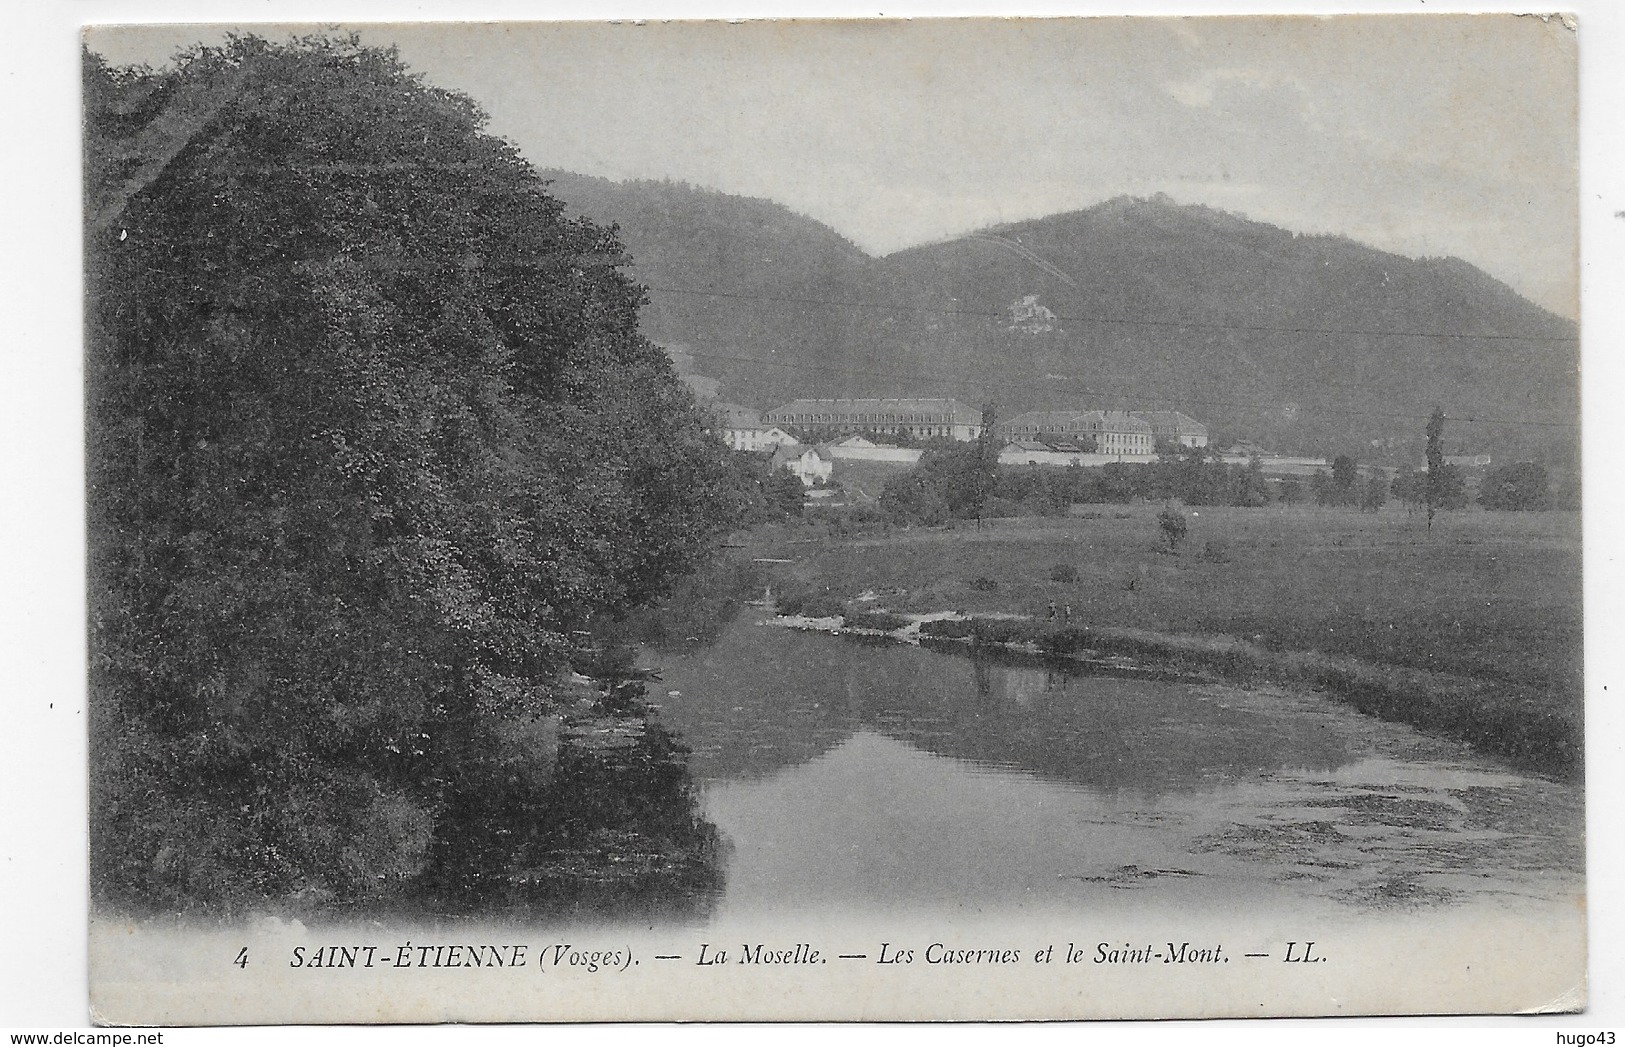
{"x": 1302, "y": 343}
{"x": 773, "y": 267}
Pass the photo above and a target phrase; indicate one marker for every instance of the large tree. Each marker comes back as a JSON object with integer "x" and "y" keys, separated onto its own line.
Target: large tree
{"x": 372, "y": 437}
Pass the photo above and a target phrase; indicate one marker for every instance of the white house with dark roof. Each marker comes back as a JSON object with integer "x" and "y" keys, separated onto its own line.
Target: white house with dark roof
{"x": 809, "y": 464}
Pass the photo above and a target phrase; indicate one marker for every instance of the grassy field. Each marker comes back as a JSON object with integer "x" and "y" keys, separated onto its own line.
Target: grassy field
{"x": 1486, "y": 607}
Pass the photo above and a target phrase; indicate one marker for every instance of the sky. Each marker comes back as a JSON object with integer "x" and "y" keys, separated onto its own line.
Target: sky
{"x": 1423, "y": 135}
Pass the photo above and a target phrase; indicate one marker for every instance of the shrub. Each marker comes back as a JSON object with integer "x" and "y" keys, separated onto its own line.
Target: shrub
{"x": 1522, "y": 486}
{"x": 885, "y": 621}
{"x": 789, "y": 598}
{"x": 1375, "y": 494}
{"x": 985, "y": 630}
{"x": 1172, "y": 524}
{"x": 1215, "y": 552}
{"x": 811, "y": 604}
{"x": 948, "y": 628}
{"x": 1063, "y": 572}
{"x": 983, "y": 584}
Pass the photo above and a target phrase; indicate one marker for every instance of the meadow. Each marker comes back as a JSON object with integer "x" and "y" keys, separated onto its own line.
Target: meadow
{"x": 1474, "y": 627}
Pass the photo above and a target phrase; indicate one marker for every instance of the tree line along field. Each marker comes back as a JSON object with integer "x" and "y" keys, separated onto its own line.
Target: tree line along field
{"x": 1488, "y": 603}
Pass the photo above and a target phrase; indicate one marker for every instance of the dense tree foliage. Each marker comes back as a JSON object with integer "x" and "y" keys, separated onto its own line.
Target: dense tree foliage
{"x": 946, "y": 485}
{"x": 1345, "y": 486}
{"x": 372, "y": 434}
{"x": 1410, "y": 488}
{"x": 1520, "y": 486}
{"x": 1450, "y": 490}
{"x": 1374, "y": 494}
{"x": 758, "y": 492}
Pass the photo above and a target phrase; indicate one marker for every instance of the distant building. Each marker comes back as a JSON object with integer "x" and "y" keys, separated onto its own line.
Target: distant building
{"x": 741, "y": 428}
{"x": 1060, "y": 452}
{"x": 1034, "y": 424}
{"x": 857, "y": 449}
{"x": 1175, "y": 427}
{"x": 1276, "y": 465}
{"x": 733, "y": 416}
{"x": 807, "y": 463}
{"x": 1466, "y": 462}
{"x": 1116, "y": 433}
{"x": 1037, "y": 452}
{"x": 922, "y": 418}
{"x": 1027, "y": 315}
{"x": 758, "y": 439}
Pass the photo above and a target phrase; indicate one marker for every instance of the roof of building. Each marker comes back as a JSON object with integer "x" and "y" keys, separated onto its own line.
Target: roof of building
{"x": 771, "y": 433}
{"x": 961, "y": 413}
{"x": 1178, "y": 420}
{"x": 1042, "y": 419}
{"x": 736, "y": 416}
{"x": 1122, "y": 422}
{"x": 1110, "y": 421}
{"x": 795, "y": 452}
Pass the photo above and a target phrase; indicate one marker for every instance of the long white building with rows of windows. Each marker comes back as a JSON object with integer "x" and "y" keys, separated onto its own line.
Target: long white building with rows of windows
{"x": 1124, "y": 433}
{"x": 922, "y": 418}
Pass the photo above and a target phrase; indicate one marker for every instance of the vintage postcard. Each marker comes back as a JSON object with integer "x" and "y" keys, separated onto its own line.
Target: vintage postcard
{"x": 834, "y": 520}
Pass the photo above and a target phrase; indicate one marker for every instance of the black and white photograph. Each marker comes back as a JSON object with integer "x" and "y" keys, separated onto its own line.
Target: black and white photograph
{"x": 933, "y": 519}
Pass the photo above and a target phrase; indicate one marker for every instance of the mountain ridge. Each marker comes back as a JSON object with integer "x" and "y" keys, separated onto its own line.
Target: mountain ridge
{"x": 1304, "y": 342}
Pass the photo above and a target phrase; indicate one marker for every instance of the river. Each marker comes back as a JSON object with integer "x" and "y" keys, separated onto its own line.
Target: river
{"x": 880, "y": 777}
{"x": 1123, "y": 843}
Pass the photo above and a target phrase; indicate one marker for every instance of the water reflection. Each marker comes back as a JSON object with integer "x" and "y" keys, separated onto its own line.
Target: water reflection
{"x": 880, "y": 777}
{"x": 761, "y": 700}
{"x": 591, "y": 812}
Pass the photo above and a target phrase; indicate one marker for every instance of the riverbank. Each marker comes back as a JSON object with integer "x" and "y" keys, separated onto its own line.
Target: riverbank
{"x": 1472, "y": 630}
